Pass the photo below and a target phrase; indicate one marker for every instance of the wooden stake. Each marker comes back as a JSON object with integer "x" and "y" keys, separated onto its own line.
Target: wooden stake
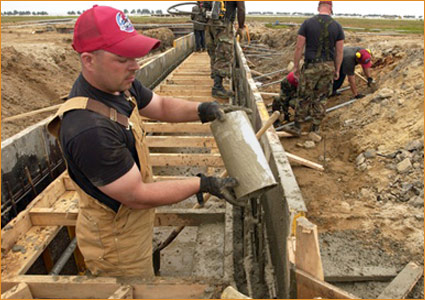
{"x": 31, "y": 113}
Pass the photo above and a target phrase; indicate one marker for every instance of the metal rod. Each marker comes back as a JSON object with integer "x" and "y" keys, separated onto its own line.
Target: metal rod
{"x": 9, "y": 190}
{"x": 57, "y": 268}
{"x": 265, "y": 75}
{"x": 327, "y": 111}
{"x": 270, "y": 83}
{"x": 27, "y": 172}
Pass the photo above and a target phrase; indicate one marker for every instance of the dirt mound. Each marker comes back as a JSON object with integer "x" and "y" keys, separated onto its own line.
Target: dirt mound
{"x": 165, "y": 35}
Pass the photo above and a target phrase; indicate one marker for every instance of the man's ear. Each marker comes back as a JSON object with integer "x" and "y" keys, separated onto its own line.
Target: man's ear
{"x": 87, "y": 59}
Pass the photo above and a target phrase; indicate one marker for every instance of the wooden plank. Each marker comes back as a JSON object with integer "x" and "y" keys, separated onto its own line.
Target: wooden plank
{"x": 314, "y": 288}
{"x": 207, "y": 81}
{"x": 401, "y": 286}
{"x": 19, "y": 291}
{"x": 177, "y": 127}
{"x": 124, "y": 292}
{"x": 170, "y": 217}
{"x": 307, "y": 253}
{"x": 27, "y": 249}
{"x": 83, "y": 287}
{"x": 179, "y": 159}
{"x": 304, "y": 162}
{"x": 362, "y": 274}
{"x": 179, "y": 87}
{"x": 22, "y": 223}
{"x": 181, "y": 141}
{"x": 184, "y": 93}
{"x": 31, "y": 113}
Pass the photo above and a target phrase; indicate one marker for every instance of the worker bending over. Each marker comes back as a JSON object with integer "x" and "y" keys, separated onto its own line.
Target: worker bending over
{"x": 352, "y": 57}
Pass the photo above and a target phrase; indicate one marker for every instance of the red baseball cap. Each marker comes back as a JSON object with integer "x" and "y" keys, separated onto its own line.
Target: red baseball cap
{"x": 365, "y": 59}
{"x": 106, "y": 28}
{"x": 292, "y": 80}
{"x": 325, "y": 2}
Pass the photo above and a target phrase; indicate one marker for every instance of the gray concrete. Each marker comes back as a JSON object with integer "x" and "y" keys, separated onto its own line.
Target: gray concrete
{"x": 283, "y": 203}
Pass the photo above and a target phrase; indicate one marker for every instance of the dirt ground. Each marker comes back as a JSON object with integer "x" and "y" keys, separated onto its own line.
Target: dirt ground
{"x": 368, "y": 204}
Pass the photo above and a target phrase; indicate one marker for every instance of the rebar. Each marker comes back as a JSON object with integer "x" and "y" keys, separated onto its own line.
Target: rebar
{"x": 57, "y": 268}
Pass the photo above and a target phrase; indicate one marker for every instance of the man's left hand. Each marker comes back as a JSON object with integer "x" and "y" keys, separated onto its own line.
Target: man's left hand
{"x": 210, "y": 111}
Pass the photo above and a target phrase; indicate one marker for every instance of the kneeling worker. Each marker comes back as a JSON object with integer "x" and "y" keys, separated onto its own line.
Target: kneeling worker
{"x": 352, "y": 57}
{"x": 287, "y": 96}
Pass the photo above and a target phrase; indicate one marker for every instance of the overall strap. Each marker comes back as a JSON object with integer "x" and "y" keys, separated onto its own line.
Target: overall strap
{"x": 53, "y": 126}
{"x": 324, "y": 38}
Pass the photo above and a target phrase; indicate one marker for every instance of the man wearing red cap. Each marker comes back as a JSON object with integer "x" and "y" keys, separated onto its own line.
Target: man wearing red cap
{"x": 103, "y": 141}
{"x": 352, "y": 57}
{"x": 287, "y": 96}
{"x": 323, "y": 39}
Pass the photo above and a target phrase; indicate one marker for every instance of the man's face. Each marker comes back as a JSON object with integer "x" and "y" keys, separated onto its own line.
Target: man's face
{"x": 113, "y": 73}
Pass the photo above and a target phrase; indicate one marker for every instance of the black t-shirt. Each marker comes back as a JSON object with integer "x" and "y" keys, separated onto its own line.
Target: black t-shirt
{"x": 99, "y": 151}
{"x": 311, "y": 28}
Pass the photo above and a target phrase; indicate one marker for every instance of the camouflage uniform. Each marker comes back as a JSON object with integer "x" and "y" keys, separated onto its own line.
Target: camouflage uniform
{"x": 315, "y": 85}
{"x": 287, "y": 98}
{"x": 219, "y": 37}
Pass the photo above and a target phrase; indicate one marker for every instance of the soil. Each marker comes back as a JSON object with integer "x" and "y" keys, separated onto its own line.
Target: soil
{"x": 368, "y": 203}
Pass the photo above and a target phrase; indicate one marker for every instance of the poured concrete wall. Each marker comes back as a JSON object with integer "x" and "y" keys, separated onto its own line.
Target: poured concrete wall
{"x": 153, "y": 72}
{"x": 283, "y": 203}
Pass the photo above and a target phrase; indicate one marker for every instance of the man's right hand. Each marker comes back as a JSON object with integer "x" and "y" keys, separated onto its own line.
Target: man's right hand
{"x": 210, "y": 111}
{"x": 359, "y": 96}
{"x": 369, "y": 81}
{"x": 336, "y": 76}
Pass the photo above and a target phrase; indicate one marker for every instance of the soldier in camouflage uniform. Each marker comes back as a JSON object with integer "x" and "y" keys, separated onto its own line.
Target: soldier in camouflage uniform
{"x": 287, "y": 96}
{"x": 219, "y": 37}
{"x": 323, "y": 39}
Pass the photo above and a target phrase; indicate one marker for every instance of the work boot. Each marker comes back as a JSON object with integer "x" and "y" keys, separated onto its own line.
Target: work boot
{"x": 218, "y": 89}
{"x": 295, "y": 129}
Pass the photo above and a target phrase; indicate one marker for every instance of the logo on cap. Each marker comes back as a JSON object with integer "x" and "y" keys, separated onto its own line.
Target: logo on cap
{"x": 124, "y": 23}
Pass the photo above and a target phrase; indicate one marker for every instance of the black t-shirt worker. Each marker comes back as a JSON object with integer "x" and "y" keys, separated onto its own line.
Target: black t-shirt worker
{"x": 103, "y": 141}
{"x": 323, "y": 40}
{"x": 352, "y": 57}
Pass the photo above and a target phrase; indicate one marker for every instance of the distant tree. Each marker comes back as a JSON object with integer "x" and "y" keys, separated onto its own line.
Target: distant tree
{"x": 152, "y": 12}
{"x": 125, "y": 11}
{"x": 145, "y": 11}
{"x": 133, "y": 11}
{"x": 139, "y": 11}
{"x": 78, "y": 12}
{"x": 158, "y": 12}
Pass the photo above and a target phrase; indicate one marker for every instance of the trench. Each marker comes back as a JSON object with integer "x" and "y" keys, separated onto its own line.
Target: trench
{"x": 219, "y": 246}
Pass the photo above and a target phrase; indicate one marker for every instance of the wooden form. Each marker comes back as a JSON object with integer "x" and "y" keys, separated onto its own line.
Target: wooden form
{"x": 27, "y": 237}
{"x": 83, "y": 287}
{"x": 401, "y": 286}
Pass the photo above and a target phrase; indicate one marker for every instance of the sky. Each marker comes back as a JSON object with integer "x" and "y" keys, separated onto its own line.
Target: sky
{"x": 402, "y": 8}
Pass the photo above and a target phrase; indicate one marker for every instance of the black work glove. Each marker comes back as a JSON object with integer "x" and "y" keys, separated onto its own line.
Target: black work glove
{"x": 369, "y": 81}
{"x": 209, "y": 111}
{"x": 359, "y": 96}
{"x": 219, "y": 187}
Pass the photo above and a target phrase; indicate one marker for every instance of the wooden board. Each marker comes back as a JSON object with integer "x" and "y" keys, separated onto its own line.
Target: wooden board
{"x": 177, "y": 127}
{"x": 124, "y": 292}
{"x": 400, "y": 287}
{"x": 193, "y": 160}
{"x": 307, "y": 253}
{"x": 19, "y": 291}
{"x": 164, "y": 217}
{"x": 180, "y": 141}
{"x": 82, "y": 287}
{"x": 314, "y": 288}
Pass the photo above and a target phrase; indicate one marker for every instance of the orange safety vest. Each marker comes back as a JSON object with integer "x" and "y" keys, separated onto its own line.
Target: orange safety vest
{"x": 113, "y": 244}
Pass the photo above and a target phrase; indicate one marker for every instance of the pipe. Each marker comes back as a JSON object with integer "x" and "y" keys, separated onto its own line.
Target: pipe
{"x": 57, "y": 268}
{"x": 327, "y": 111}
{"x": 265, "y": 75}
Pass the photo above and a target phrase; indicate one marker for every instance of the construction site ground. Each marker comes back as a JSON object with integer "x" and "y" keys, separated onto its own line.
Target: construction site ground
{"x": 368, "y": 203}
